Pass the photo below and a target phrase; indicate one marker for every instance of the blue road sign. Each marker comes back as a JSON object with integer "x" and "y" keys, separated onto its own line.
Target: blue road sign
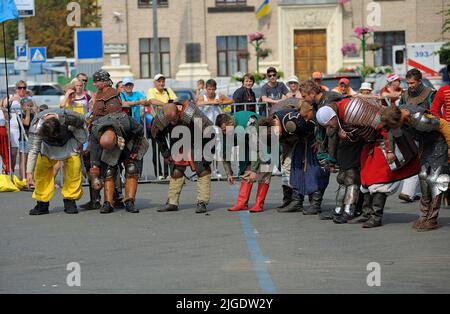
{"x": 88, "y": 44}
{"x": 38, "y": 54}
{"x": 21, "y": 50}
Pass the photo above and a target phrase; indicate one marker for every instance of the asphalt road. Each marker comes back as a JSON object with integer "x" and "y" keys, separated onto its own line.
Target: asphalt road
{"x": 221, "y": 252}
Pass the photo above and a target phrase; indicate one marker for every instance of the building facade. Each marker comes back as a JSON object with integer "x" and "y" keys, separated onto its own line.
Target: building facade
{"x": 210, "y": 37}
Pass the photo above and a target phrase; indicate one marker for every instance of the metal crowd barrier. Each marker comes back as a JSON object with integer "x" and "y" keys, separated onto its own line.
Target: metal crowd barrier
{"x": 218, "y": 173}
{"x": 151, "y": 175}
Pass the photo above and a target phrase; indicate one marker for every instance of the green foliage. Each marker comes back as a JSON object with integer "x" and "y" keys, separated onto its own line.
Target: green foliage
{"x": 444, "y": 52}
{"x": 366, "y": 70}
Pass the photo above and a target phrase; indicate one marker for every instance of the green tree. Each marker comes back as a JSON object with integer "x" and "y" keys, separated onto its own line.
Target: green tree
{"x": 49, "y": 27}
{"x": 444, "y": 52}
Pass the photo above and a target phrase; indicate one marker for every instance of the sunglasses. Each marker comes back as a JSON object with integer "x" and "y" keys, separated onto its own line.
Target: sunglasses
{"x": 272, "y": 75}
{"x": 22, "y": 87}
{"x": 84, "y": 81}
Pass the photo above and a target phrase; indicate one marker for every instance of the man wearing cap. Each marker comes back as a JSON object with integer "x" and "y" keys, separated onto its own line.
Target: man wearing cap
{"x": 273, "y": 91}
{"x": 344, "y": 89}
{"x": 132, "y": 99}
{"x": 317, "y": 77}
{"x": 107, "y": 99}
{"x": 393, "y": 89}
{"x": 175, "y": 116}
{"x": 116, "y": 138}
{"x": 159, "y": 95}
{"x": 56, "y": 135}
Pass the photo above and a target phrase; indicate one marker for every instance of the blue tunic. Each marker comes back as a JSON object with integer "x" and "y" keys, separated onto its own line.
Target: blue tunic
{"x": 315, "y": 178}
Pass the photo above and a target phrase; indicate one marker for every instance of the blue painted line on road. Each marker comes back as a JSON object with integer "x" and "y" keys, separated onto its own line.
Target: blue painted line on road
{"x": 256, "y": 256}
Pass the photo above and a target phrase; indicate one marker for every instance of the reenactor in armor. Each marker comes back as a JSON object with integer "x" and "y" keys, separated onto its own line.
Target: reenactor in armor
{"x": 188, "y": 115}
{"x": 116, "y": 139}
{"x": 56, "y": 135}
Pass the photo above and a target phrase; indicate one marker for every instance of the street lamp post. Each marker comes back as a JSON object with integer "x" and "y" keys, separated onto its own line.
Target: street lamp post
{"x": 155, "y": 37}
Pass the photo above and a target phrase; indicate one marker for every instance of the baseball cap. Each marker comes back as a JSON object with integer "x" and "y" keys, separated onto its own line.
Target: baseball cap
{"x": 316, "y": 75}
{"x": 392, "y": 78}
{"x": 271, "y": 70}
{"x": 366, "y": 86}
{"x": 127, "y": 81}
{"x": 293, "y": 79}
{"x": 158, "y": 77}
{"x": 344, "y": 81}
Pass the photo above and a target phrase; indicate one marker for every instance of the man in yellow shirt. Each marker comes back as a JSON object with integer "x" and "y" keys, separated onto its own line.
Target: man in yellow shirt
{"x": 159, "y": 96}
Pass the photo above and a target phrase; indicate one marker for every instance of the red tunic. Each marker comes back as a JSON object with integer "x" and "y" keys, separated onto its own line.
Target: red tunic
{"x": 374, "y": 166}
{"x": 376, "y": 170}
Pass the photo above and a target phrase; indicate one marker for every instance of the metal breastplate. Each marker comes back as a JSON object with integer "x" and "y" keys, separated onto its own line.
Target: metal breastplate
{"x": 361, "y": 118}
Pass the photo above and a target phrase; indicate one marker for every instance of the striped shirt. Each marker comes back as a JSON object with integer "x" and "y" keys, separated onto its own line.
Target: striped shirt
{"x": 441, "y": 103}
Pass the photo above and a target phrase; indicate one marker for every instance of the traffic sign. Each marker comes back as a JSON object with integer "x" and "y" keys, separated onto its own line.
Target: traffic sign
{"x": 38, "y": 54}
{"x": 25, "y": 8}
{"x": 21, "y": 51}
{"x": 88, "y": 44}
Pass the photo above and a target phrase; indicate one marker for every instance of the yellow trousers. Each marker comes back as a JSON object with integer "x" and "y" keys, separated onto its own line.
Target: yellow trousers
{"x": 44, "y": 180}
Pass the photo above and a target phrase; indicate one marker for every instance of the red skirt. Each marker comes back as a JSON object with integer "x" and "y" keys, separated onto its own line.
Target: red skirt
{"x": 375, "y": 169}
{"x": 4, "y": 153}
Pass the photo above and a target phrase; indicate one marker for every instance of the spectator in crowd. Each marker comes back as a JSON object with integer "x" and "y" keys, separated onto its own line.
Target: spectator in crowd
{"x": 445, "y": 72}
{"x": 200, "y": 90}
{"x": 294, "y": 87}
{"x": 245, "y": 94}
{"x": 366, "y": 89}
{"x": 120, "y": 86}
{"x": 273, "y": 91}
{"x": 210, "y": 103}
{"x": 159, "y": 95}
{"x": 76, "y": 98}
{"x": 4, "y": 146}
{"x": 22, "y": 111}
{"x": 392, "y": 90}
{"x": 318, "y": 77}
{"x": 83, "y": 78}
{"x": 344, "y": 89}
{"x": 135, "y": 100}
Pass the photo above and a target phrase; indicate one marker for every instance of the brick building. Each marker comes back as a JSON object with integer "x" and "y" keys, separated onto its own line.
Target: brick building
{"x": 210, "y": 36}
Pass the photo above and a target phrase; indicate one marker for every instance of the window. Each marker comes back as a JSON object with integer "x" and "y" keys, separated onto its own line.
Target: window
{"x": 148, "y": 3}
{"x": 231, "y": 2}
{"x": 386, "y": 40}
{"x": 50, "y": 91}
{"x": 147, "y": 61}
{"x": 232, "y": 55}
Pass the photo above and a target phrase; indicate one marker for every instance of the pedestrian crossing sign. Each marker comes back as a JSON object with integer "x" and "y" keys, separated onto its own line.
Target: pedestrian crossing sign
{"x": 38, "y": 54}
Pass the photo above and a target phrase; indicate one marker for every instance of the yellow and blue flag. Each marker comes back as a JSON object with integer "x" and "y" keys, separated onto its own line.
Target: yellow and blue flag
{"x": 8, "y": 10}
{"x": 263, "y": 10}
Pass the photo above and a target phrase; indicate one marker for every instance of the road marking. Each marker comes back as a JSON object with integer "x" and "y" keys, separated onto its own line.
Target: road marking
{"x": 258, "y": 260}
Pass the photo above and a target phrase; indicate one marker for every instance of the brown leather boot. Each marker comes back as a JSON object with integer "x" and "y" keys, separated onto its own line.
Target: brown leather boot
{"x": 109, "y": 196}
{"x": 431, "y": 221}
{"x": 131, "y": 184}
{"x": 425, "y": 206}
